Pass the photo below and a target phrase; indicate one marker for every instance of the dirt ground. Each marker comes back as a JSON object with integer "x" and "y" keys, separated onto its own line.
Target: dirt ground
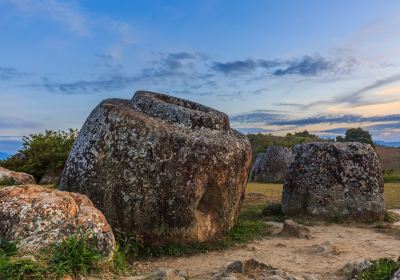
{"x": 331, "y": 247}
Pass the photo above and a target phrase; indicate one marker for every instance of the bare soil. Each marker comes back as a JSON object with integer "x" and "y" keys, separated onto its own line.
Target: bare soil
{"x": 331, "y": 247}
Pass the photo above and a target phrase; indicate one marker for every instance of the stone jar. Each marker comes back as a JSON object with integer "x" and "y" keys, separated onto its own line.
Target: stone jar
{"x": 334, "y": 181}
{"x": 164, "y": 168}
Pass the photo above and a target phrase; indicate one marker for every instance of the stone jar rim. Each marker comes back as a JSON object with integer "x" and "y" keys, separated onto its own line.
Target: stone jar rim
{"x": 180, "y": 111}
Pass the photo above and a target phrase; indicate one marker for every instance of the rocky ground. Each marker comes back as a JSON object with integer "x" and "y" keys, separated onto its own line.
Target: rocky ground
{"x": 321, "y": 257}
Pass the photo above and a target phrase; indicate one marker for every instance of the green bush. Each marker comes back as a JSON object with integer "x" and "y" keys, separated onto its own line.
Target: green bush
{"x": 8, "y": 181}
{"x": 391, "y": 176}
{"x": 42, "y": 153}
{"x": 382, "y": 269}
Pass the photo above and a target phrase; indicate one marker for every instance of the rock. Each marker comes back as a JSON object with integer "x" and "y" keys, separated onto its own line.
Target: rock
{"x": 334, "y": 181}
{"x": 310, "y": 277}
{"x": 324, "y": 249}
{"x": 165, "y": 168}
{"x": 270, "y": 167}
{"x": 50, "y": 178}
{"x": 168, "y": 274}
{"x": 353, "y": 268}
{"x": 8, "y": 177}
{"x": 291, "y": 228}
{"x": 234, "y": 267}
{"x": 273, "y": 277}
{"x": 37, "y": 217}
{"x": 396, "y": 275}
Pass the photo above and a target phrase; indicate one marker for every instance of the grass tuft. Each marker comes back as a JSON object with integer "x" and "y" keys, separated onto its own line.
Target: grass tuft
{"x": 382, "y": 269}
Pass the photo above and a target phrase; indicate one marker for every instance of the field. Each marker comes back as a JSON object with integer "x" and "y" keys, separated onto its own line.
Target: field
{"x": 273, "y": 192}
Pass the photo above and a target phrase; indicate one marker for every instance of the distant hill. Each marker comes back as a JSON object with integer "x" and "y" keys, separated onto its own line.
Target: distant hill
{"x": 387, "y": 143}
{"x": 4, "y": 156}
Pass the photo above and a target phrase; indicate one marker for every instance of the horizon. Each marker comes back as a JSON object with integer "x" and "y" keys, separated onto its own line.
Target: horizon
{"x": 273, "y": 67}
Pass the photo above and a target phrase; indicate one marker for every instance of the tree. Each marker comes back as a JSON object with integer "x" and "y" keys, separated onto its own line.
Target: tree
{"x": 42, "y": 153}
{"x": 340, "y": 139}
{"x": 358, "y": 135}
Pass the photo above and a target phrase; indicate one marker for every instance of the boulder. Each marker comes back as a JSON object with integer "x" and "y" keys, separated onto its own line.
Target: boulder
{"x": 334, "y": 181}
{"x": 8, "y": 177}
{"x": 36, "y": 217}
{"x": 291, "y": 228}
{"x": 270, "y": 167}
{"x": 165, "y": 168}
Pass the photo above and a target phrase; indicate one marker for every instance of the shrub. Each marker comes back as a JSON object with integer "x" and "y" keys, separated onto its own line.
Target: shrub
{"x": 42, "y": 152}
{"x": 382, "y": 269}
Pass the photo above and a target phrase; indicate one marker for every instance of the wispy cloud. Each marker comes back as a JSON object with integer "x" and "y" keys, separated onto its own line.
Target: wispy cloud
{"x": 8, "y": 73}
{"x": 303, "y": 66}
{"x": 9, "y": 122}
{"x": 65, "y": 13}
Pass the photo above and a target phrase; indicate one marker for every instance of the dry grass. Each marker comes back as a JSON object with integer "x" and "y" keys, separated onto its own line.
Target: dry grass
{"x": 273, "y": 192}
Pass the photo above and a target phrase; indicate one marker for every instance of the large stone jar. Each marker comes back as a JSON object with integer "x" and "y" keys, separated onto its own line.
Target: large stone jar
{"x": 334, "y": 181}
{"x": 167, "y": 169}
{"x": 271, "y": 166}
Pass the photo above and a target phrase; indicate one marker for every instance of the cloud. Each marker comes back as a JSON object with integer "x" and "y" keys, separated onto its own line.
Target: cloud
{"x": 63, "y": 12}
{"x": 260, "y": 116}
{"x": 8, "y": 73}
{"x": 168, "y": 66}
{"x": 357, "y": 97}
{"x": 338, "y": 119}
{"x": 7, "y": 122}
{"x": 304, "y": 66}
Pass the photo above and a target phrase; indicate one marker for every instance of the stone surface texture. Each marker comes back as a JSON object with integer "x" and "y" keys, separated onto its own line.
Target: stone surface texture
{"x": 165, "y": 168}
{"x": 36, "y": 217}
{"x": 16, "y": 178}
{"x": 291, "y": 228}
{"x": 334, "y": 181}
{"x": 271, "y": 166}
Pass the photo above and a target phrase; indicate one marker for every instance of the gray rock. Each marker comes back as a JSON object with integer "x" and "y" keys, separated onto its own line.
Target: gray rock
{"x": 234, "y": 267}
{"x": 291, "y": 228}
{"x": 335, "y": 181}
{"x": 50, "y": 177}
{"x": 165, "y": 168}
{"x": 168, "y": 274}
{"x": 270, "y": 167}
{"x": 396, "y": 275}
{"x": 353, "y": 268}
{"x": 273, "y": 277}
{"x": 310, "y": 277}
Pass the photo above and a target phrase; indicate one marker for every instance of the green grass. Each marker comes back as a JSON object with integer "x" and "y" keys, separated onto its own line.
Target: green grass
{"x": 392, "y": 176}
{"x": 249, "y": 226}
{"x": 382, "y": 269}
{"x": 73, "y": 256}
{"x": 7, "y": 181}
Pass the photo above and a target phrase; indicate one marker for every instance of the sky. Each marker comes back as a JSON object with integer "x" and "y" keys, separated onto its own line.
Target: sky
{"x": 272, "y": 66}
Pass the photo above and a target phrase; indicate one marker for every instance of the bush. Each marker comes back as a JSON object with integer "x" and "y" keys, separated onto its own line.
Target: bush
{"x": 391, "y": 176}
{"x": 42, "y": 153}
{"x": 382, "y": 269}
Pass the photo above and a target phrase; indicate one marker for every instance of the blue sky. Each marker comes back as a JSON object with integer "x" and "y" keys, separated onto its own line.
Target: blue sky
{"x": 273, "y": 66}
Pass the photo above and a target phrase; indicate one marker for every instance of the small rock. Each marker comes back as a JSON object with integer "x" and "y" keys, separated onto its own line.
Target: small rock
{"x": 324, "y": 248}
{"x": 310, "y": 277}
{"x": 292, "y": 277}
{"x": 281, "y": 244}
{"x": 273, "y": 277}
{"x": 167, "y": 274}
{"x": 234, "y": 267}
{"x": 396, "y": 276}
{"x": 353, "y": 268}
{"x": 291, "y": 228}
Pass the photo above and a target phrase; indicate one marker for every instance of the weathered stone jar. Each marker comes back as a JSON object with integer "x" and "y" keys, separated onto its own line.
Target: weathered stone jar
{"x": 164, "y": 168}
{"x": 271, "y": 166}
{"x": 334, "y": 181}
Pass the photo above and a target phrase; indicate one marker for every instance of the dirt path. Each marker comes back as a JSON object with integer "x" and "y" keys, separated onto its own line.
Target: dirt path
{"x": 324, "y": 255}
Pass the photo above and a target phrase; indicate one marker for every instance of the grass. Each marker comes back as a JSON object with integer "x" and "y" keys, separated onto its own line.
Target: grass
{"x": 382, "y": 269}
{"x": 7, "y": 181}
{"x": 273, "y": 193}
{"x": 73, "y": 256}
{"x": 392, "y": 176}
{"x": 249, "y": 226}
